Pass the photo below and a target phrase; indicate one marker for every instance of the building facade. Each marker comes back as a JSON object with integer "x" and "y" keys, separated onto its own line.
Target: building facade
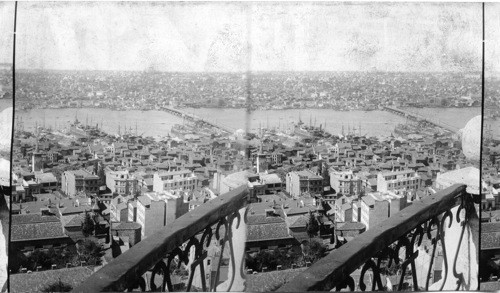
{"x": 155, "y": 211}
{"x": 176, "y": 180}
{"x": 299, "y": 182}
{"x": 121, "y": 182}
{"x": 345, "y": 182}
{"x": 399, "y": 180}
{"x": 73, "y": 182}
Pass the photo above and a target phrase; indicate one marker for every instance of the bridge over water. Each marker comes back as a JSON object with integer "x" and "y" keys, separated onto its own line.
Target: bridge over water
{"x": 405, "y": 113}
{"x": 194, "y": 118}
{"x": 417, "y": 117}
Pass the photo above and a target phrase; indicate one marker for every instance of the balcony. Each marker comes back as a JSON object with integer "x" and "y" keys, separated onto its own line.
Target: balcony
{"x": 147, "y": 265}
{"x": 445, "y": 222}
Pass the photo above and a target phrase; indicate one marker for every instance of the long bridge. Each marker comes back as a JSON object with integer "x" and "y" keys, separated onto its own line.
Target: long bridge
{"x": 408, "y": 114}
{"x": 419, "y": 118}
{"x": 194, "y": 118}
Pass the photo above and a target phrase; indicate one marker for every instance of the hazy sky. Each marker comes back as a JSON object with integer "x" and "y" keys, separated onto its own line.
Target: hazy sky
{"x": 218, "y": 36}
{"x": 6, "y": 31}
{"x": 492, "y": 28}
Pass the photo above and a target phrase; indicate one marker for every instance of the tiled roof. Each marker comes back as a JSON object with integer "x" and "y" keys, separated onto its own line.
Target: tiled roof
{"x": 300, "y": 210}
{"x": 36, "y": 281}
{"x": 489, "y": 286}
{"x": 33, "y": 231}
{"x": 73, "y": 220}
{"x": 265, "y": 282}
{"x": 78, "y": 209}
{"x": 32, "y": 218}
{"x": 267, "y": 232}
{"x": 299, "y": 221}
{"x": 490, "y": 235}
{"x": 490, "y": 227}
{"x": 263, "y": 219}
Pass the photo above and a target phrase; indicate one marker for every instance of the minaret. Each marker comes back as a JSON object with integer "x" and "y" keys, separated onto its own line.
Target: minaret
{"x": 36, "y": 158}
{"x": 36, "y": 137}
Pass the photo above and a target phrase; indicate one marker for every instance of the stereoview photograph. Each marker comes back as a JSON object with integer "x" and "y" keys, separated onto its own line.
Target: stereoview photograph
{"x": 246, "y": 146}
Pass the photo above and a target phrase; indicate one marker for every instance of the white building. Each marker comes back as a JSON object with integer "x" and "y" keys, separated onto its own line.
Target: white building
{"x": 398, "y": 180}
{"x": 345, "y": 182}
{"x": 174, "y": 180}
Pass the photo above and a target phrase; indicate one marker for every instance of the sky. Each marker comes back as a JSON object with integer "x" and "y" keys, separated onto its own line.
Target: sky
{"x": 259, "y": 36}
{"x": 492, "y": 30}
{"x": 6, "y": 31}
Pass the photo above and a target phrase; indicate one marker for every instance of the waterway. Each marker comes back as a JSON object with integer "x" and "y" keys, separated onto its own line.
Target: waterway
{"x": 158, "y": 123}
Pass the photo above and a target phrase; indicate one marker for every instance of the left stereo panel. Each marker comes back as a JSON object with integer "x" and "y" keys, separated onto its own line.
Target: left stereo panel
{"x": 7, "y": 12}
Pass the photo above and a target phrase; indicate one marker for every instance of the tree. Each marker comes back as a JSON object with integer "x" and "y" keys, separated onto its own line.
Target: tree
{"x": 39, "y": 258}
{"x": 58, "y": 287}
{"x": 88, "y": 225}
{"x": 90, "y": 252}
{"x": 314, "y": 251}
{"x": 312, "y": 226}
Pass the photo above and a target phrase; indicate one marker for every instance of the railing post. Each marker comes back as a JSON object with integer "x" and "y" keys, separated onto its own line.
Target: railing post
{"x": 236, "y": 277}
{"x": 461, "y": 251}
{"x": 435, "y": 219}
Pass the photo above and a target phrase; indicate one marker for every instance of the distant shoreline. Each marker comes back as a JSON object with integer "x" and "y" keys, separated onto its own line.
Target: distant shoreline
{"x": 235, "y": 108}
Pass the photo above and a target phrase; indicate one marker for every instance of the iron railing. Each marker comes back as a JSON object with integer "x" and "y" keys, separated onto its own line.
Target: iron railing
{"x": 394, "y": 243}
{"x": 148, "y": 265}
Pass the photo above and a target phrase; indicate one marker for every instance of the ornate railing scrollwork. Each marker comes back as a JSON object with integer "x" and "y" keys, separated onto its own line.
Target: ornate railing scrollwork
{"x": 406, "y": 248}
{"x": 192, "y": 250}
{"x": 194, "y": 254}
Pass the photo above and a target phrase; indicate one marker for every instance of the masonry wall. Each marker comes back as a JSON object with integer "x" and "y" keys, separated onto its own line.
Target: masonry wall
{"x": 68, "y": 184}
{"x": 397, "y": 205}
{"x": 379, "y": 213}
{"x": 134, "y": 235}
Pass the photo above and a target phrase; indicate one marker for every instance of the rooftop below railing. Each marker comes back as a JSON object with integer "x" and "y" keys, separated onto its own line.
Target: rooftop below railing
{"x": 437, "y": 217}
{"x": 218, "y": 217}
